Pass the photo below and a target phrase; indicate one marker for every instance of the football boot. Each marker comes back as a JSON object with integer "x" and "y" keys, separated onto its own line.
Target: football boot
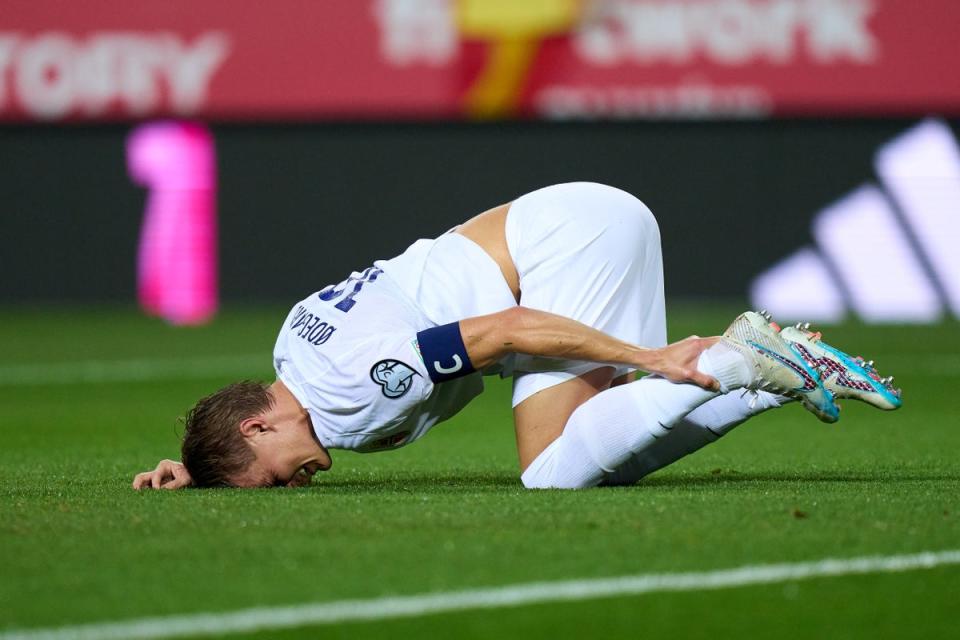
{"x": 844, "y": 375}
{"x": 778, "y": 366}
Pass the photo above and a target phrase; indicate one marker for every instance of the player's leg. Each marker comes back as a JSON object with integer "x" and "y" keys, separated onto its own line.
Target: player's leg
{"x": 563, "y": 448}
{"x": 540, "y": 419}
{"x": 704, "y": 425}
{"x": 591, "y": 253}
{"x": 842, "y": 375}
{"x": 626, "y": 422}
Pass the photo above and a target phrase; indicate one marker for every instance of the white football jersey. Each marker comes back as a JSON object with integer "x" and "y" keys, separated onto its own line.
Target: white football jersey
{"x": 349, "y": 354}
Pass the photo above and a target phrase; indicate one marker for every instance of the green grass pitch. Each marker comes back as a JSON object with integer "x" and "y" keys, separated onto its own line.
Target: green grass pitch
{"x": 87, "y": 398}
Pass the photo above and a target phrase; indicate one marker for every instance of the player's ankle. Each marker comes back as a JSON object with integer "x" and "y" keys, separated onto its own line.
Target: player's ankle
{"x": 727, "y": 365}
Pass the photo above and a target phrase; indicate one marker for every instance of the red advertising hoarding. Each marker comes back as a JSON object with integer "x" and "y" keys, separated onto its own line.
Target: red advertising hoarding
{"x": 557, "y": 59}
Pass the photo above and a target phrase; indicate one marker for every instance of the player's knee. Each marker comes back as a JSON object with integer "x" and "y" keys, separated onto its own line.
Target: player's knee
{"x": 534, "y": 482}
{"x": 565, "y": 464}
{"x": 558, "y": 481}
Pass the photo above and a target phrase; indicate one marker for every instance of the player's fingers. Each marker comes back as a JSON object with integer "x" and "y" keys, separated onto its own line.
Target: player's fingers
{"x": 156, "y": 479}
{"x": 182, "y": 476}
{"x": 175, "y": 483}
{"x": 692, "y": 374}
{"x": 144, "y": 480}
{"x": 171, "y": 481}
{"x": 707, "y": 382}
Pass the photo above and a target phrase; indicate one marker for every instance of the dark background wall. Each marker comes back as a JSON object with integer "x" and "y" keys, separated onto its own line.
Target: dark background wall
{"x": 301, "y": 206}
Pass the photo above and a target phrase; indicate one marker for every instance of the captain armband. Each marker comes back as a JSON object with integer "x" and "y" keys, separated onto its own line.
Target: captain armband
{"x": 444, "y": 353}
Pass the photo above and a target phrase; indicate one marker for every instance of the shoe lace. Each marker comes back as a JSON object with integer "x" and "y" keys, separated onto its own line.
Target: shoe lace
{"x": 761, "y": 384}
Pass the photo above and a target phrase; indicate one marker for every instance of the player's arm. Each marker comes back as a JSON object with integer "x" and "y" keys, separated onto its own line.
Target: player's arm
{"x": 488, "y": 339}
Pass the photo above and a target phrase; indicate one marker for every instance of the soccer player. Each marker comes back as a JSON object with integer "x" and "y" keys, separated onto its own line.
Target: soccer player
{"x": 562, "y": 289}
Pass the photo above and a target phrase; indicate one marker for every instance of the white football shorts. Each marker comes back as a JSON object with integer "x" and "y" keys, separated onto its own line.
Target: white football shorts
{"x": 589, "y": 252}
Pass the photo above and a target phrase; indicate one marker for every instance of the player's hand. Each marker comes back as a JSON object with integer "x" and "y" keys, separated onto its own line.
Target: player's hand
{"x": 169, "y": 474}
{"x": 677, "y": 362}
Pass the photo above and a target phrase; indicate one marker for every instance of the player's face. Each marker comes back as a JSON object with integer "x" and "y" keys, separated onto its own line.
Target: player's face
{"x": 276, "y": 473}
{"x": 284, "y": 457}
{"x": 260, "y": 474}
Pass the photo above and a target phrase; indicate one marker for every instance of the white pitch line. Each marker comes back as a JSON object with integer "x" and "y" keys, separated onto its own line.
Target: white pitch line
{"x": 142, "y": 370}
{"x": 324, "y": 613}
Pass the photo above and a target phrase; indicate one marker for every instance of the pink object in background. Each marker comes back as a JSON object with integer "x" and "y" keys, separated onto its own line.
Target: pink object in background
{"x": 177, "y": 259}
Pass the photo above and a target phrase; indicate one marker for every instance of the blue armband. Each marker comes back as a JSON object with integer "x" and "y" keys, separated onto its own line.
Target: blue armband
{"x": 444, "y": 353}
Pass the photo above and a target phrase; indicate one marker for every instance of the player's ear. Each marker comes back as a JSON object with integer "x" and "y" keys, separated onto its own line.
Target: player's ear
{"x": 254, "y": 426}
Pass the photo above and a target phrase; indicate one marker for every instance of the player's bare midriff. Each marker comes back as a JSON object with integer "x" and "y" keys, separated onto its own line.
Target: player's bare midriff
{"x": 488, "y": 230}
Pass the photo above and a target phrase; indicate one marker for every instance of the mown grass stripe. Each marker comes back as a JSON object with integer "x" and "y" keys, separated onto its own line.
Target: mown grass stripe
{"x": 139, "y": 370}
{"x": 287, "y": 617}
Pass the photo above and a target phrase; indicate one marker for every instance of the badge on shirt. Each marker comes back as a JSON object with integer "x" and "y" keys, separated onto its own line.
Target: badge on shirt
{"x": 394, "y": 377}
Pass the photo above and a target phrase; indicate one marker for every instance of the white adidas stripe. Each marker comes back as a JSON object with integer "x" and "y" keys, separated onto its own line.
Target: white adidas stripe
{"x": 884, "y": 272}
{"x": 265, "y": 618}
{"x": 922, "y": 173}
{"x": 893, "y": 286}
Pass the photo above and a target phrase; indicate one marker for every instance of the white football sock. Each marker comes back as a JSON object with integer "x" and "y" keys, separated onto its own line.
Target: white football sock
{"x": 616, "y": 424}
{"x": 700, "y": 427}
{"x": 724, "y": 413}
{"x": 727, "y": 365}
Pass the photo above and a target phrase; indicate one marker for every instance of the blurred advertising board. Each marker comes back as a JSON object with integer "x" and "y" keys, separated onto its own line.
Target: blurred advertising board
{"x": 473, "y": 59}
{"x": 818, "y": 219}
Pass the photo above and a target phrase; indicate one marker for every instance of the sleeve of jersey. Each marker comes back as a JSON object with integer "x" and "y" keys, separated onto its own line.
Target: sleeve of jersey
{"x": 443, "y": 352}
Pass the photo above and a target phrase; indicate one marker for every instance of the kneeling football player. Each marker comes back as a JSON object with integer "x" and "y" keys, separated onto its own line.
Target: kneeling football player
{"x": 562, "y": 290}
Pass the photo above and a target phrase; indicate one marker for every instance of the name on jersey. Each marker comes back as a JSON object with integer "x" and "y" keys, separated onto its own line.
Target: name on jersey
{"x": 310, "y": 328}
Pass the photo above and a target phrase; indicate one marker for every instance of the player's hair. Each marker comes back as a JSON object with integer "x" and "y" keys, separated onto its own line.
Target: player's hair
{"x": 214, "y": 451}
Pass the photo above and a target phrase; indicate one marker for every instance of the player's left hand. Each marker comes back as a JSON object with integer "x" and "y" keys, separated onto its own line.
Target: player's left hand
{"x": 169, "y": 474}
{"x": 677, "y": 362}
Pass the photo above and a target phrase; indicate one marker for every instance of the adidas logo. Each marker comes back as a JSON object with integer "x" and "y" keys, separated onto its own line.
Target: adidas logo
{"x": 890, "y": 252}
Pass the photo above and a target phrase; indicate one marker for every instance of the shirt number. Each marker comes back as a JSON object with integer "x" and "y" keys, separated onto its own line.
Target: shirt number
{"x": 347, "y": 290}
